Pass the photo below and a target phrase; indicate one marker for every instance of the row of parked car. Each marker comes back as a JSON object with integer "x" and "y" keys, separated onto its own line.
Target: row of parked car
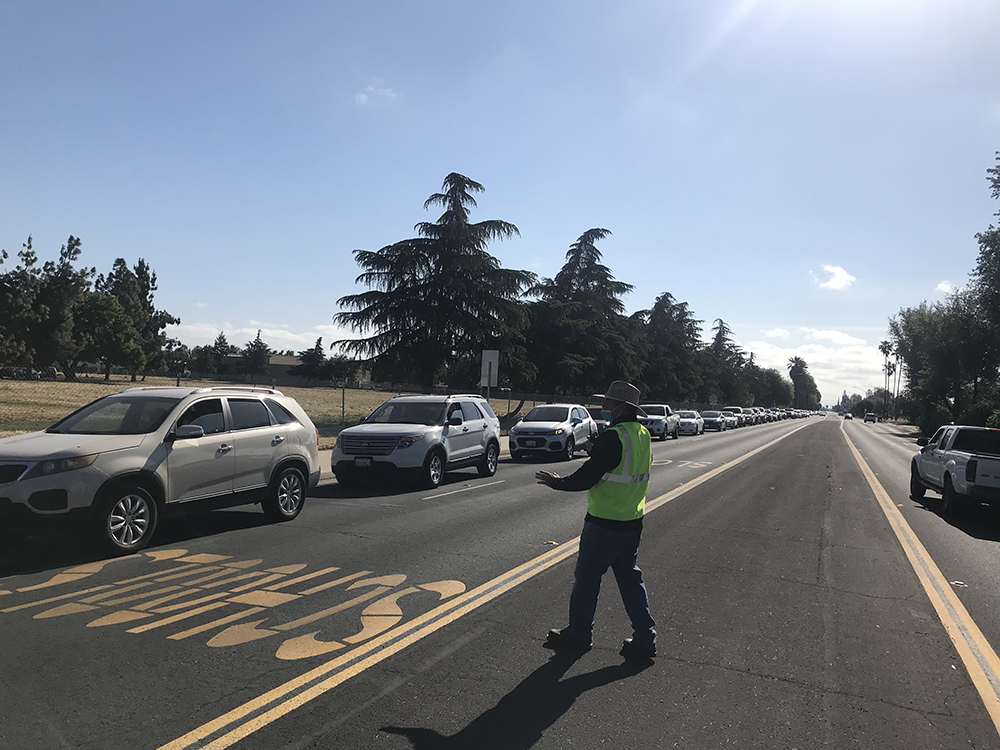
{"x": 126, "y": 459}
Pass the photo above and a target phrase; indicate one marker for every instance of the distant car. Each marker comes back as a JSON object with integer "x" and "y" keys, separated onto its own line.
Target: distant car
{"x": 870, "y": 417}
{"x": 732, "y": 421}
{"x": 848, "y": 415}
{"x": 128, "y": 458}
{"x": 423, "y": 436}
{"x": 553, "y": 430}
{"x": 691, "y": 423}
{"x": 713, "y": 420}
{"x": 661, "y": 421}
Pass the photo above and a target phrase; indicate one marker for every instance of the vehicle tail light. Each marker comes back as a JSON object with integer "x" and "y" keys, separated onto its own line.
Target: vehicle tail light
{"x": 970, "y": 470}
{"x": 317, "y": 436}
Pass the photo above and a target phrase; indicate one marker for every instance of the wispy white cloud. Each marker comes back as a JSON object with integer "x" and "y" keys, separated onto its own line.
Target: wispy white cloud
{"x": 839, "y": 338}
{"x": 777, "y": 333}
{"x": 375, "y": 95}
{"x": 839, "y": 278}
{"x": 946, "y": 286}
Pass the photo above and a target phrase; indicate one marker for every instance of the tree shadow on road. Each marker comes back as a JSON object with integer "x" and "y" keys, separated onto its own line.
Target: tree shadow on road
{"x": 520, "y": 717}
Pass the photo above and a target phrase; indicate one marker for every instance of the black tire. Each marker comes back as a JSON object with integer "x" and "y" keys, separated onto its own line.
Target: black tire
{"x": 664, "y": 435}
{"x": 433, "y": 470}
{"x": 677, "y": 432}
{"x": 488, "y": 466}
{"x": 953, "y": 505}
{"x": 917, "y": 489}
{"x": 126, "y": 519}
{"x": 570, "y": 448}
{"x": 286, "y": 495}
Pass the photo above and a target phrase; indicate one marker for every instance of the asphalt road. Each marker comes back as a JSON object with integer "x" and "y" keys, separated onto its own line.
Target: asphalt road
{"x": 802, "y": 600}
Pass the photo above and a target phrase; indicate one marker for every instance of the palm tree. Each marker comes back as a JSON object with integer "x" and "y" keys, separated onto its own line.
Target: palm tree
{"x": 886, "y": 348}
{"x": 797, "y": 370}
{"x": 437, "y": 300}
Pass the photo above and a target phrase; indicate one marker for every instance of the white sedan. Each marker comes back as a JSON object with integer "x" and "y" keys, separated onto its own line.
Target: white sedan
{"x": 691, "y": 423}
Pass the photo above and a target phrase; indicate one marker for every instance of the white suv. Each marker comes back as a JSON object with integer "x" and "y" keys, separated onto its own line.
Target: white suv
{"x": 127, "y": 458}
{"x": 420, "y": 435}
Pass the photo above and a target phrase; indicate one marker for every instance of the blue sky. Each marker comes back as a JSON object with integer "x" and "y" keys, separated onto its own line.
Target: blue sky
{"x": 801, "y": 169}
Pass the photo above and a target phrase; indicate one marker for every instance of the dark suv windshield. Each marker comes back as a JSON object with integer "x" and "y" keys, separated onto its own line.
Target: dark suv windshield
{"x": 408, "y": 412}
{"x": 117, "y": 415}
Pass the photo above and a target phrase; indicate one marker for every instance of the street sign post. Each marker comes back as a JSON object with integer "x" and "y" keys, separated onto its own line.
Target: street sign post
{"x": 491, "y": 363}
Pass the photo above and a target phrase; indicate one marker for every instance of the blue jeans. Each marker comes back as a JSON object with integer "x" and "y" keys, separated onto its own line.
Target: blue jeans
{"x": 602, "y": 548}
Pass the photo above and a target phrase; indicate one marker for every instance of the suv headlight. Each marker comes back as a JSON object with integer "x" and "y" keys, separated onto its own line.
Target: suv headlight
{"x": 407, "y": 440}
{"x": 59, "y": 465}
{"x": 558, "y": 431}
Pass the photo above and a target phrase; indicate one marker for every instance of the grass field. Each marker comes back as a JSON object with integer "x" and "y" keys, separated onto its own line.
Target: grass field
{"x": 27, "y": 405}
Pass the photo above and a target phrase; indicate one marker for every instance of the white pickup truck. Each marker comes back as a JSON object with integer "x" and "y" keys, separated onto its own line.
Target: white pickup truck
{"x": 962, "y": 463}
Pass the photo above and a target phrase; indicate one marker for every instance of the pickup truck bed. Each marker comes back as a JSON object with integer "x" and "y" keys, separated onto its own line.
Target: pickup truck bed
{"x": 962, "y": 463}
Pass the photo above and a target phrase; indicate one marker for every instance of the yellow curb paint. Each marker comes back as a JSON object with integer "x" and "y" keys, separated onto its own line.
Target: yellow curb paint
{"x": 300, "y": 690}
{"x": 977, "y": 654}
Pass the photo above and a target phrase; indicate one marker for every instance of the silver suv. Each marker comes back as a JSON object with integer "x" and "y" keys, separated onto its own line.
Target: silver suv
{"x": 423, "y": 436}
{"x": 127, "y": 458}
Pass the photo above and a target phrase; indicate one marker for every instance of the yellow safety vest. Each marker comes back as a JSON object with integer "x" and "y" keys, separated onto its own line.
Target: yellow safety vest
{"x": 620, "y": 495}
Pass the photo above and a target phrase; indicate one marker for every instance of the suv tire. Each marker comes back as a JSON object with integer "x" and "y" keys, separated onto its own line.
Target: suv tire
{"x": 917, "y": 489}
{"x": 286, "y": 495}
{"x": 491, "y": 458}
{"x": 126, "y": 519}
{"x": 433, "y": 470}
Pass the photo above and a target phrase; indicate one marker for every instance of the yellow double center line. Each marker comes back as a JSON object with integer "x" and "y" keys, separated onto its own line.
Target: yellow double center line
{"x": 976, "y": 652}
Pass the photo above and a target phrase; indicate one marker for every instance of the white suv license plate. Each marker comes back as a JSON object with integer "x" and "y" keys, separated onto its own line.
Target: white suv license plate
{"x": 362, "y": 462}
{"x": 532, "y": 443}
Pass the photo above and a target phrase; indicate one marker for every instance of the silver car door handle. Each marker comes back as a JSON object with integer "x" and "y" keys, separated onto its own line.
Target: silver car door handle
{"x": 278, "y": 440}
{"x": 225, "y": 448}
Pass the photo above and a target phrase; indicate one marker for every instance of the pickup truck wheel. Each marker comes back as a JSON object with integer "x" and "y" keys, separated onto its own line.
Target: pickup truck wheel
{"x": 488, "y": 466}
{"x": 285, "y": 496}
{"x": 677, "y": 432}
{"x": 952, "y": 504}
{"x": 569, "y": 449}
{"x": 917, "y": 489}
{"x": 126, "y": 519}
{"x": 433, "y": 470}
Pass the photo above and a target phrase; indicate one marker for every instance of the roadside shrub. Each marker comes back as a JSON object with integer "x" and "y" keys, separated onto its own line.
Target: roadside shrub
{"x": 934, "y": 416}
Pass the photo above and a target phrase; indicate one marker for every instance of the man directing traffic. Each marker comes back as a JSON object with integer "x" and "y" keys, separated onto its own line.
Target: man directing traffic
{"x": 616, "y": 477}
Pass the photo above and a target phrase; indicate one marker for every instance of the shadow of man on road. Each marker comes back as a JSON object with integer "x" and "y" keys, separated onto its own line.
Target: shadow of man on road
{"x": 518, "y": 720}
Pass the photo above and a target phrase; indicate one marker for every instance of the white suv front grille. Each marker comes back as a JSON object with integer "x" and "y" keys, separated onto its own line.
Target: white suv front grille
{"x": 353, "y": 445}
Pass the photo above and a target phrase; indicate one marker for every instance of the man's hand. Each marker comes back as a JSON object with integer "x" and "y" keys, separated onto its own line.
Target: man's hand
{"x": 547, "y": 478}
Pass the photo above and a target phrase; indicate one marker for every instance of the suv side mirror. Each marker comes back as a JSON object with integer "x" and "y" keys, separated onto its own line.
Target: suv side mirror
{"x": 923, "y": 442}
{"x": 455, "y": 419}
{"x": 187, "y": 431}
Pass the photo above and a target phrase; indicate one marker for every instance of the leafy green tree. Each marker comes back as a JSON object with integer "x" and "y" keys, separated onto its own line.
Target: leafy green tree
{"x": 105, "y": 334}
{"x": 312, "y": 361}
{"x": 806, "y": 394}
{"x": 437, "y": 300}
{"x": 177, "y": 358}
{"x": 61, "y": 287}
{"x": 256, "y": 358}
{"x": 18, "y": 289}
{"x": 339, "y": 367}
{"x": 673, "y": 335}
{"x": 221, "y": 351}
{"x": 579, "y": 338}
{"x": 134, "y": 289}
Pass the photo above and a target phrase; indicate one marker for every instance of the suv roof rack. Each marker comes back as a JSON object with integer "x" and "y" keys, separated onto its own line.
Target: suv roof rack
{"x": 250, "y": 388}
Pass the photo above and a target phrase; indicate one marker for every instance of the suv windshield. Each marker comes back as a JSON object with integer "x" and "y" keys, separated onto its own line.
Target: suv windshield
{"x": 408, "y": 412}
{"x": 547, "y": 414}
{"x": 117, "y": 415}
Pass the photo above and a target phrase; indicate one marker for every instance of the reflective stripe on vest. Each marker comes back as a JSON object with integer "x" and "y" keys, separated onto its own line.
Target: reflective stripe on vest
{"x": 626, "y": 464}
{"x": 620, "y": 495}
